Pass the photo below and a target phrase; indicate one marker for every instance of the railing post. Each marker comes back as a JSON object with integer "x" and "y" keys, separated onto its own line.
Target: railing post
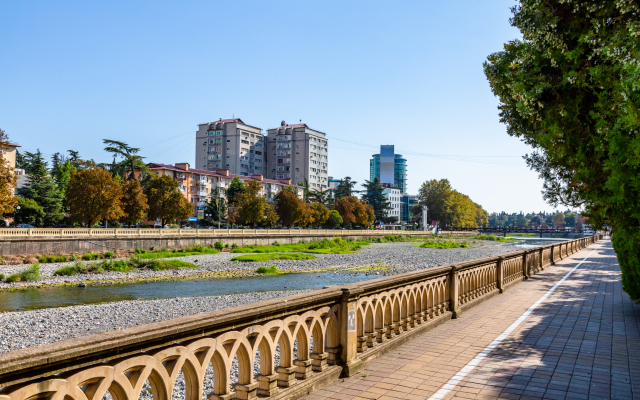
{"x": 525, "y": 268}
{"x": 349, "y": 331}
{"x": 541, "y": 265}
{"x": 552, "y": 255}
{"x": 500, "y": 269}
{"x": 454, "y": 293}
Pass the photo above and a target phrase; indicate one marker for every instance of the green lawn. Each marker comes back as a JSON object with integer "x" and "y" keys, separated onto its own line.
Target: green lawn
{"x": 272, "y": 256}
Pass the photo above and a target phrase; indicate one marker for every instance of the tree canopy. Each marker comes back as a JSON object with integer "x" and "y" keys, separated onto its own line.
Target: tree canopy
{"x": 373, "y": 194}
{"x": 570, "y": 90}
{"x": 449, "y": 206}
{"x": 93, "y": 195}
{"x": 165, "y": 200}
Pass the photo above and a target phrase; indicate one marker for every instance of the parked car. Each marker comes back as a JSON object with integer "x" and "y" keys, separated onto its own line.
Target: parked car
{"x": 24, "y": 226}
{"x": 63, "y": 226}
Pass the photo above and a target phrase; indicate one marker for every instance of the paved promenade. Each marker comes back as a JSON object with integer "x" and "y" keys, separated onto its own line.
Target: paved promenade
{"x": 580, "y": 342}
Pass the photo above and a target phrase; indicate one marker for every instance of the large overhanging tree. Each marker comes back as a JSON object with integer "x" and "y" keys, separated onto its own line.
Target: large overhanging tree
{"x": 570, "y": 89}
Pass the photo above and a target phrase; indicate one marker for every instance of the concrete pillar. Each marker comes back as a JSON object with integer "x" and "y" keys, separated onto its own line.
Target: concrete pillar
{"x": 454, "y": 292}
{"x": 525, "y": 269}
{"x": 349, "y": 332}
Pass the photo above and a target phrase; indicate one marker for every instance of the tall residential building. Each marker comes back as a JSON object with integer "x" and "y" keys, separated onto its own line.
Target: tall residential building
{"x": 298, "y": 152}
{"x": 389, "y": 168}
{"x": 230, "y": 144}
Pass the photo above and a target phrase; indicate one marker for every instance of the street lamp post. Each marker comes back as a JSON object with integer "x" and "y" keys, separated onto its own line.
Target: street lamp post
{"x": 15, "y": 223}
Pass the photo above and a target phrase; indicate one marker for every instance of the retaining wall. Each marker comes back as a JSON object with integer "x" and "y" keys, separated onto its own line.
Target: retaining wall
{"x": 14, "y": 242}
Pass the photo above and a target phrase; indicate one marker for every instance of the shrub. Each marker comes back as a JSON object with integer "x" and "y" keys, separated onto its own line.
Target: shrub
{"x": 226, "y": 246}
{"x": 1, "y": 277}
{"x": 235, "y": 246}
{"x": 30, "y": 274}
{"x": 90, "y": 256}
{"x": 268, "y": 270}
{"x": 67, "y": 271}
{"x": 174, "y": 226}
{"x": 109, "y": 255}
{"x": 53, "y": 259}
{"x": 1, "y": 261}
{"x": 218, "y": 245}
{"x": 139, "y": 250}
{"x": 73, "y": 257}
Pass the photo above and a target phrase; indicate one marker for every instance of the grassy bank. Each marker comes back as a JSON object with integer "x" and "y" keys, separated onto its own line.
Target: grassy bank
{"x": 325, "y": 246}
{"x": 484, "y": 236}
{"x": 194, "y": 250}
{"x": 272, "y": 256}
{"x": 121, "y": 266}
{"x": 444, "y": 244}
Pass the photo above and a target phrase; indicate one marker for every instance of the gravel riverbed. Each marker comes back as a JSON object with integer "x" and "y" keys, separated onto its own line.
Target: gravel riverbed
{"x": 399, "y": 257}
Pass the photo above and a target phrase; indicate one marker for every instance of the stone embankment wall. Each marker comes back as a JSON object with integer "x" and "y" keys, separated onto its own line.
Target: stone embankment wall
{"x": 335, "y": 330}
{"x": 19, "y": 242}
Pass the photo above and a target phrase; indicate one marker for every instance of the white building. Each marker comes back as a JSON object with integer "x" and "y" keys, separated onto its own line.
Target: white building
{"x": 394, "y": 197}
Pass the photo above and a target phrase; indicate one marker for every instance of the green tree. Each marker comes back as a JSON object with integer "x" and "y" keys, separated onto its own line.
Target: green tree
{"x": 558, "y": 220}
{"x": 373, "y": 194}
{"x": 212, "y": 206}
{"x": 334, "y": 220}
{"x": 131, "y": 162}
{"x": 42, "y": 189}
{"x": 570, "y": 90}
{"x": 236, "y": 186}
{"x": 29, "y": 213}
{"x": 570, "y": 219}
{"x": 345, "y": 188}
{"x": 437, "y": 196}
{"x": 166, "y": 203}
{"x": 320, "y": 197}
{"x": 251, "y": 204}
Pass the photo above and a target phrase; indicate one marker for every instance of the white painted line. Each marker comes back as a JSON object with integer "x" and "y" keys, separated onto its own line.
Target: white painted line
{"x": 453, "y": 382}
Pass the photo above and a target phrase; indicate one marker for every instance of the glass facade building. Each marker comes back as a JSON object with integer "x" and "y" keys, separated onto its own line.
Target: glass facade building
{"x": 389, "y": 168}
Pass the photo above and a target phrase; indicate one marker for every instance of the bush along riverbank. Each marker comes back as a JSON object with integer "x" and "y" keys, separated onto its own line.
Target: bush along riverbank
{"x": 121, "y": 266}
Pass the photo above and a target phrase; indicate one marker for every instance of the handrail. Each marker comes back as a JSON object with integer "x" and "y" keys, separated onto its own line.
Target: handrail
{"x": 336, "y": 328}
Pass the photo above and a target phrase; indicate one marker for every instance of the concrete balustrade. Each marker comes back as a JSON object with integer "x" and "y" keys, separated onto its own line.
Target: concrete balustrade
{"x": 337, "y": 329}
{"x": 21, "y": 242}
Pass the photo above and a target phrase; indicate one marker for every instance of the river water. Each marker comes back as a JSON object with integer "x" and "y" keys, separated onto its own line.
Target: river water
{"x": 528, "y": 242}
{"x": 62, "y": 296}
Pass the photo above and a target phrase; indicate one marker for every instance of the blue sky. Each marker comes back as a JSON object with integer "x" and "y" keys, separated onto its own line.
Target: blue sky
{"x": 365, "y": 72}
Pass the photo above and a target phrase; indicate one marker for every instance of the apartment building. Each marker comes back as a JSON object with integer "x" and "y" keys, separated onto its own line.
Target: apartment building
{"x": 298, "y": 152}
{"x": 198, "y": 185}
{"x": 230, "y": 144}
{"x": 393, "y": 196}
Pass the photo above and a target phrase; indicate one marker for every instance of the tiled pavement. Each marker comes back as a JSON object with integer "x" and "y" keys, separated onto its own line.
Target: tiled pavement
{"x": 582, "y": 342}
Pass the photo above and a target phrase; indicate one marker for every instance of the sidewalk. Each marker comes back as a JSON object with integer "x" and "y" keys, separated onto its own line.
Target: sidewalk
{"x": 582, "y": 342}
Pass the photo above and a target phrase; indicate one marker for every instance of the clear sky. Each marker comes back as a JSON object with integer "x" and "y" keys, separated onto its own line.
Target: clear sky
{"x": 366, "y": 73}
